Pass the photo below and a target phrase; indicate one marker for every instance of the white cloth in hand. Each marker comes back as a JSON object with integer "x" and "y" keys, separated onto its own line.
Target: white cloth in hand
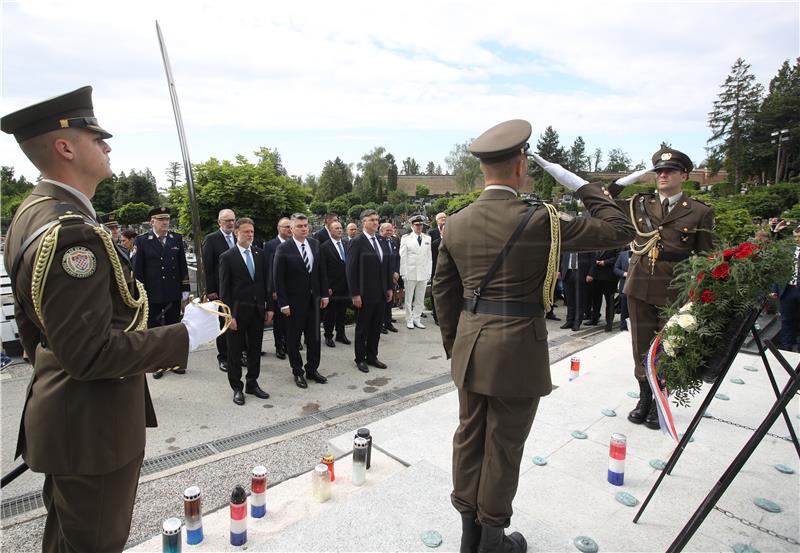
{"x": 201, "y": 322}
{"x": 184, "y": 296}
{"x": 633, "y": 177}
{"x": 565, "y": 178}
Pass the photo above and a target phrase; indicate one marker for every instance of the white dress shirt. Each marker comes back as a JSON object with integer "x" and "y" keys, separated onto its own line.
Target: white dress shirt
{"x": 309, "y": 255}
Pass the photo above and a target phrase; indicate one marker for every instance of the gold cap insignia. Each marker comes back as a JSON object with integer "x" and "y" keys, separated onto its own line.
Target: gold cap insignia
{"x": 666, "y": 156}
{"x": 684, "y": 204}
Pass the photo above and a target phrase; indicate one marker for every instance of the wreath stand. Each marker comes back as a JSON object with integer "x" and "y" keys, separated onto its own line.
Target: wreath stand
{"x": 783, "y": 397}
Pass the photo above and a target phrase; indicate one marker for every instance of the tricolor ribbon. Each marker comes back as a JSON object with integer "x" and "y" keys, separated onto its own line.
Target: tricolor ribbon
{"x": 665, "y": 418}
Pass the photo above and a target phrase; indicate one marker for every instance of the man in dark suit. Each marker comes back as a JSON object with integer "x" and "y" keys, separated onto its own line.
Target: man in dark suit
{"x": 243, "y": 286}
{"x": 214, "y": 245}
{"x": 370, "y": 284}
{"x": 324, "y": 234}
{"x": 604, "y": 284}
{"x": 436, "y": 232}
{"x": 160, "y": 264}
{"x": 789, "y": 296}
{"x": 387, "y": 233}
{"x": 301, "y": 285}
{"x": 574, "y": 270}
{"x": 334, "y": 256}
{"x": 279, "y": 322}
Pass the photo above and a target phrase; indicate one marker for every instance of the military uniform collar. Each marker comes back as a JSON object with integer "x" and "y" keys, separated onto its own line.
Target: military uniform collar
{"x": 80, "y": 196}
{"x": 672, "y": 199}
{"x": 502, "y": 187}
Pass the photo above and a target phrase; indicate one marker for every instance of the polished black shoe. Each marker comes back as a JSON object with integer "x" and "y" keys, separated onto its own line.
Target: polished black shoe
{"x": 623, "y": 326}
{"x": 376, "y": 363}
{"x": 179, "y": 371}
{"x": 316, "y": 377}
{"x": 391, "y": 328}
{"x": 470, "y": 533}
{"x": 576, "y": 328}
{"x": 280, "y": 353}
{"x": 343, "y": 339}
{"x": 640, "y": 412}
{"x": 223, "y": 366}
{"x": 362, "y": 366}
{"x": 608, "y": 328}
{"x": 330, "y": 343}
{"x": 238, "y": 397}
{"x": 593, "y": 322}
{"x": 158, "y": 374}
{"x": 300, "y": 380}
{"x": 552, "y": 317}
{"x": 383, "y": 330}
{"x": 566, "y": 325}
{"x": 394, "y": 320}
{"x": 255, "y": 390}
{"x": 494, "y": 540}
{"x": 652, "y": 417}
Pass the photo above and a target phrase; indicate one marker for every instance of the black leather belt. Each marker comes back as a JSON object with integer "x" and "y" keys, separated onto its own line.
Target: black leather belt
{"x": 672, "y": 256}
{"x": 504, "y": 308}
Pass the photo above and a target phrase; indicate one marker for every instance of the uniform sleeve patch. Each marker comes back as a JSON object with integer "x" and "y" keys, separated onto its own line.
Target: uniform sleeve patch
{"x": 79, "y": 262}
{"x": 565, "y": 216}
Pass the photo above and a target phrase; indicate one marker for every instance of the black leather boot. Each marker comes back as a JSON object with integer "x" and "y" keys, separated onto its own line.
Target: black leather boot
{"x": 494, "y": 540}
{"x": 470, "y": 533}
{"x": 652, "y": 417}
{"x": 640, "y": 412}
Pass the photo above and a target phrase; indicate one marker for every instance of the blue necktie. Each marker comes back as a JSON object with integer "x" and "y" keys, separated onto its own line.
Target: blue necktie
{"x": 251, "y": 268}
{"x": 341, "y": 250}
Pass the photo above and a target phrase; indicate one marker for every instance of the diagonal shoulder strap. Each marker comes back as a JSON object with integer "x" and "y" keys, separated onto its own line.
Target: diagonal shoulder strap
{"x": 502, "y": 256}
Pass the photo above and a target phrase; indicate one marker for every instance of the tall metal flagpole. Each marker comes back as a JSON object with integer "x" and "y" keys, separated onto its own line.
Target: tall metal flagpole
{"x": 187, "y": 166}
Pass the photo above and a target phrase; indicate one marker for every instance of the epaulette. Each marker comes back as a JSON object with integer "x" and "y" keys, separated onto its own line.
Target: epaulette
{"x": 700, "y": 202}
{"x": 69, "y": 214}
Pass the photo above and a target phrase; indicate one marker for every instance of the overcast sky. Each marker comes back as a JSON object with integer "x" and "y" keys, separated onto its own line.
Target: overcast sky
{"x": 318, "y": 80}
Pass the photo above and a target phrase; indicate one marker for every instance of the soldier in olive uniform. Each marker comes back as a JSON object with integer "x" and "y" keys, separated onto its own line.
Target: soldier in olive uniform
{"x": 109, "y": 220}
{"x": 670, "y": 227}
{"x": 494, "y": 332}
{"x": 82, "y": 320}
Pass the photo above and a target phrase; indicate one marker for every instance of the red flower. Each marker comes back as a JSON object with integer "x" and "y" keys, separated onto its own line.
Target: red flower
{"x": 744, "y": 251}
{"x": 701, "y": 276}
{"x": 707, "y": 296}
{"x": 727, "y": 254}
{"x": 721, "y": 271}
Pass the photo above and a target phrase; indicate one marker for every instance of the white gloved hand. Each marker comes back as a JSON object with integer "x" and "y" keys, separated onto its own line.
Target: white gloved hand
{"x": 633, "y": 177}
{"x": 201, "y": 322}
{"x": 184, "y": 296}
{"x": 565, "y": 178}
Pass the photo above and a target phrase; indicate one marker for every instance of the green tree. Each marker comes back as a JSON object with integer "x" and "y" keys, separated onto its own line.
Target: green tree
{"x": 618, "y": 161}
{"x": 12, "y": 192}
{"x": 133, "y": 213}
{"x": 251, "y": 190}
{"x": 174, "y": 170}
{"x": 397, "y": 196}
{"x": 547, "y": 147}
{"x": 461, "y": 201}
{"x": 423, "y": 190}
{"x": 339, "y": 206}
{"x": 311, "y": 183}
{"x": 780, "y": 110}
{"x": 732, "y": 225}
{"x": 355, "y": 211}
{"x": 386, "y": 211}
{"x": 265, "y": 155}
{"x": 598, "y": 157}
{"x": 464, "y": 167}
{"x": 318, "y": 207}
{"x": 411, "y": 167}
{"x": 335, "y": 180}
{"x": 577, "y": 160}
{"x": 438, "y": 170}
{"x": 137, "y": 186}
{"x": 103, "y": 199}
{"x": 391, "y": 175}
{"x": 440, "y": 204}
{"x": 732, "y": 120}
{"x": 374, "y": 167}
{"x": 430, "y": 169}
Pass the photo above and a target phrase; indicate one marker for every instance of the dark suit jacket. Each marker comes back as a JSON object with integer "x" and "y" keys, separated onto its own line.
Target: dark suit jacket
{"x": 293, "y": 283}
{"x": 335, "y": 268}
{"x": 237, "y": 289}
{"x": 270, "y": 246}
{"x": 214, "y": 245}
{"x": 394, "y": 255}
{"x": 367, "y": 275}
{"x": 435, "y": 234}
{"x": 621, "y": 267}
{"x": 605, "y": 272}
{"x": 585, "y": 262}
{"x": 322, "y": 235}
{"x": 163, "y": 271}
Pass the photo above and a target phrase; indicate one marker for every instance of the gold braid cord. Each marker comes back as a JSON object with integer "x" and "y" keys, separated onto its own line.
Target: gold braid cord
{"x": 652, "y": 237}
{"x": 44, "y": 260}
{"x": 551, "y": 278}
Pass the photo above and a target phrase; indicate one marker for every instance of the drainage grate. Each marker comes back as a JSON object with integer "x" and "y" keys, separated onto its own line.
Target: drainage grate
{"x": 22, "y": 504}
{"x": 25, "y": 503}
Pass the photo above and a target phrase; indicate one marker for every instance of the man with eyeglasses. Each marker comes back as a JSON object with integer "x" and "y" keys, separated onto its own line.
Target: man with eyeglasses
{"x": 279, "y": 321}
{"x": 214, "y": 245}
{"x": 670, "y": 227}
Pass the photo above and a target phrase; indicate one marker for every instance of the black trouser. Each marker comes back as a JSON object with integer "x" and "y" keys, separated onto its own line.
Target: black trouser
{"x": 575, "y": 297}
{"x": 790, "y": 309}
{"x": 387, "y": 314}
{"x": 247, "y": 337}
{"x": 368, "y": 330}
{"x": 89, "y": 512}
{"x": 222, "y": 344}
{"x": 603, "y": 289}
{"x": 171, "y": 313}
{"x": 279, "y": 330}
{"x": 333, "y": 316}
{"x": 303, "y": 320}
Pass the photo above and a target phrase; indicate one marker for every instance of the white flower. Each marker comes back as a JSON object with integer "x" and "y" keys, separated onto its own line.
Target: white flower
{"x": 686, "y": 321}
{"x": 668, "y": 349}
{"x": 686, "y": 307}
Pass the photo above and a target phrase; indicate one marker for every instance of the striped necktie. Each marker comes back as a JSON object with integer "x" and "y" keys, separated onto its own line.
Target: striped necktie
{"x": 341, "y": 250}
{"x": 306, "y": 262}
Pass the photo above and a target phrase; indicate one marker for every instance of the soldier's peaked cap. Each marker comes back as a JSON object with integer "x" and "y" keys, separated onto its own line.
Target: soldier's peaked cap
{"x": 503, "y": 141}
{"x": 159, "y": 212}
{"x": 669, "y": 158}
{"x": 71, "y": 110}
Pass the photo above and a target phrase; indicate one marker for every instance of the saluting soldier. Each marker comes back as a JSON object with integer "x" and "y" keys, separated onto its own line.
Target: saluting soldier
{"x": 82, "y": 319}
{"x": 160, "y": 263}
{"x": 491, "y": 311}
{"x": 670, "y": 227}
